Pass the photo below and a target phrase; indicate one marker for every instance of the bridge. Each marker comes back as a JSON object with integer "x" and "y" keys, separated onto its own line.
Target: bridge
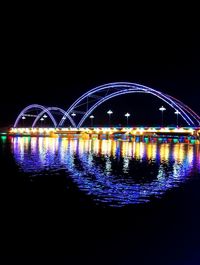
{"x": 71, "y": 121}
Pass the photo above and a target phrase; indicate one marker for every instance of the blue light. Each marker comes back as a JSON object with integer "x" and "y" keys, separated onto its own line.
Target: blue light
{"x": 92, "y": 166}
{"x": 103, "y": 93}
{"x": 121, "y": 88}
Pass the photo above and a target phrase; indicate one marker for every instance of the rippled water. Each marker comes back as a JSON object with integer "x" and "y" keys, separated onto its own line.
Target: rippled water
{"x": 114, "y": 173}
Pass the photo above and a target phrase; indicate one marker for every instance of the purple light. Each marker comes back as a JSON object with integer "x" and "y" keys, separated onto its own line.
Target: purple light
{"x": 103, "y": 93}
{"x": 121, "y": 88}
{"x": 56, "y": 109}
{"x": 92, "y": 166}
{"x": 34, "y": 106}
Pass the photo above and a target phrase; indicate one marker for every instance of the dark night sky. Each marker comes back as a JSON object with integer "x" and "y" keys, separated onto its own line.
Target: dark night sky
{"x": 51, "y": 58}
{"x": 50, "y": 64}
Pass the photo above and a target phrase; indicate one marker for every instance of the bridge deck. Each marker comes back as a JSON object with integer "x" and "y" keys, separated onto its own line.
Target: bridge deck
{"x": 112, "y": 132}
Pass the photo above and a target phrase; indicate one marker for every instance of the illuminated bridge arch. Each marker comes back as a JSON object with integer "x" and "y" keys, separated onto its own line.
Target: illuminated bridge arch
{"x": 89, "y": 101}
{"x": 31, "y": 108}
{"x": 44, "y": 110}
{"x": 53, "y": 109}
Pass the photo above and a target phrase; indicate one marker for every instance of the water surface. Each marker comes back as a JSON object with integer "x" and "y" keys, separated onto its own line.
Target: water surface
{"x": 111, "y": 173}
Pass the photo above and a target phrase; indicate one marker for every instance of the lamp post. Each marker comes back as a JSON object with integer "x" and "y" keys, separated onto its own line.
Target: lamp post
{"x": 23, "y": 118}
{"x": 177, "y": 113}
{"x": 92, "y": 117}
{"x": 162, "y": 109}
{"x": 109, "y": 113}
{"x": 73, "y": 114}
{"x": 63, "y": 118}
{"x": 127, "y": 115}
{"x": 44, "y": 116}
{"x": 42, "y": 119}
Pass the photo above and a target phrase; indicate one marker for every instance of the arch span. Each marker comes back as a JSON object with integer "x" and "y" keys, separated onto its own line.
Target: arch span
{"x": 34, "y": 107}
{"x": 54, "y": 109}
{"x": 90, "y": 100}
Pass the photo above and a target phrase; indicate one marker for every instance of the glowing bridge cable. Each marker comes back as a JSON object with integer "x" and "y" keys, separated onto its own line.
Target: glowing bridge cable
{"x": 195, "y": 115}
{"x": 117, "y": 94}
{"x": 50, "y": 109}
{"x": 99, "y": 103}
{"x": 150, "y": 90}
{"x": 131, "y": 88}
{"x": 179, "y": 104}
{"x": 107, "y": 91}
{"x": 33, "y": 107}
{"x": 183, "y": 106}
{"x": 89, "y": 93}
{"x": 172, "y": 101}
{"x": 174, "y": 106}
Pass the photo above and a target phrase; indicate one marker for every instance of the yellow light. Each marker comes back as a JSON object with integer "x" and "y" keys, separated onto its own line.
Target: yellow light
{"x": 139, "y": 150}
{"x": 164, "y": 152}
{"x": 191, "y": 130}
{"x": 141, "y": 130}
{"x": 41, "y": 130}
{"x": 13, "y": 130}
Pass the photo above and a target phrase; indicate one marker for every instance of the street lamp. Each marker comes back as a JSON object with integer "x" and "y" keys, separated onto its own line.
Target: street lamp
{"x": 23, "y": 118}
{"x": 63, "y": 118}
{"x": 162, "y": 109}
{"x": 42, "y": 119}
{"x": 109, "y": 113}
{"x": 73, "y": 114}
{"x": 177, "y": 113}
{"x": 92, "y": 117}
{"x": 127, "y": 115}
{"x": 44, "y": 116}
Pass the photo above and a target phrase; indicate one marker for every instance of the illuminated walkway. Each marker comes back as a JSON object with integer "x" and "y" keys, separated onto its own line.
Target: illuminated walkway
{"x": 184, "y": 133}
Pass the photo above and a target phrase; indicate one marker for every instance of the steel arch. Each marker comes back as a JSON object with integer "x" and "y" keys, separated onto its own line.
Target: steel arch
{"x": 112, "y": 96}
{"x": 96, "y": 96}
{"x": 34, "y": 106}
{"x": 50, "y": 109}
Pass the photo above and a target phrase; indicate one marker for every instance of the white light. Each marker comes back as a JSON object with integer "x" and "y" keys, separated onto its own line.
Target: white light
{"x": 91, "y": 117}
{"x": 162, "y": 108}
{"x": 64, "y": 118}
{"x": 42, "y": 119}
{"x": 73, "y": 114}
{"x": 177, "y": 112}
{"x": 109, "y": 112}
{"x": 23, "y": 118}
{"x": 44, "y": 116}
{"x": 41, "y": 130}
{"x": 127, "y": 115}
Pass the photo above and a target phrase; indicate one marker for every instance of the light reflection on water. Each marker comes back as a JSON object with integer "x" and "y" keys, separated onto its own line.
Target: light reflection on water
{"x": 112, "y": 172}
